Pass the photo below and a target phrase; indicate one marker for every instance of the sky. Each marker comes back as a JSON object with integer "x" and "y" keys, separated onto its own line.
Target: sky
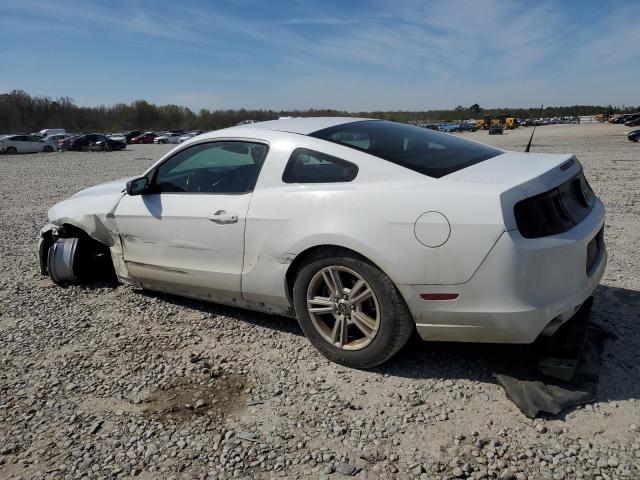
{"x": 344, "y": 54}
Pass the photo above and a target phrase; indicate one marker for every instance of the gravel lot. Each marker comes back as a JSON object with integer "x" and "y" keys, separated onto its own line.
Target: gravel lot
{"x": 110, "y": 382}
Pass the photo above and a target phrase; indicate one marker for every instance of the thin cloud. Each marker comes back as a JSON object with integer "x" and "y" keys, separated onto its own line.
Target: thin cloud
{"x": 379, "y": 54}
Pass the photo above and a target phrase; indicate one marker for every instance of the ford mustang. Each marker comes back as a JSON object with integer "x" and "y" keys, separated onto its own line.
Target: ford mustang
{"x": 364, "y": 230}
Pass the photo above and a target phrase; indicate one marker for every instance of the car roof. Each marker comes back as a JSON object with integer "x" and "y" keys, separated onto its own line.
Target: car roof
{"x": 303, "y": 126}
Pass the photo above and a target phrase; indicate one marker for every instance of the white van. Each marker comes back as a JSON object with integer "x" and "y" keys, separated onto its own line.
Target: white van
{"x": 51, "y": 131}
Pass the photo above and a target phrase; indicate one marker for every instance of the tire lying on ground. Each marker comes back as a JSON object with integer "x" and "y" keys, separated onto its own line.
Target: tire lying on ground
{"x": 350, "y": 310}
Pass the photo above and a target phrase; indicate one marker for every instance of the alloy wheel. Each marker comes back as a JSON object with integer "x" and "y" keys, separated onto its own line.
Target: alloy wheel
{"x": 343, "y": 307}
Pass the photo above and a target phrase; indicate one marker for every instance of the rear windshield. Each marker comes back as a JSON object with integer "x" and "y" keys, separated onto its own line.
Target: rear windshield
{"x": 428, "y": 152}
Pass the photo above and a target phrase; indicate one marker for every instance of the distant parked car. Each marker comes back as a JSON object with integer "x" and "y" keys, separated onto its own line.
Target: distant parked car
{"x": 449, "y": 127}
{"x": 51, "y": 131}
{"x": 24, "y": 144}
{"x": 169, "y": 137}
{"x": 118, "y": 137}
{"x": 107, "y": 144}
{"x": 495, "y": 129}
{"x": 130, "y": 135}
{"x": 54, "y": 140}
{"x": 195, "y": 133}
{"x": 146, "y": 137}
{"x": 632, "y": 122}
{"x": 634, "y": 135}
{"x": 467, "y": 127}
{"x": 81, "y": 142}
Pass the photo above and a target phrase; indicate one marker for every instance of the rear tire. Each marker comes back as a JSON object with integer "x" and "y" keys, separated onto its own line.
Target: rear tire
{"x": 11, "y": 150}
{"x": 48, "y": 149}
{"x": 355, "y": 334}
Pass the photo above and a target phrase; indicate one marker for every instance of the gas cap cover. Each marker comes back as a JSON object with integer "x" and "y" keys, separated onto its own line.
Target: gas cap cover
{"x": 432, "y": 229}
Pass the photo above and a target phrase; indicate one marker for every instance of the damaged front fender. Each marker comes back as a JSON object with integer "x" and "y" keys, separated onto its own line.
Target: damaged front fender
{"x": 92, "y": 212}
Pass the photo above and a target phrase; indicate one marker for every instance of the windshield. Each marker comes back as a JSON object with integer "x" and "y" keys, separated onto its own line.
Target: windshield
{"x": 423, "y": 150}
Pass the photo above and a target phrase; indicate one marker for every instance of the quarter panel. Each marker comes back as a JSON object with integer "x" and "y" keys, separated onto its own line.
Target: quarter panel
{"x": 374, "y": 215}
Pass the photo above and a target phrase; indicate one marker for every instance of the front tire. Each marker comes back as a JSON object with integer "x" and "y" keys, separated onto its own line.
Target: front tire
{"x": 48, "y": 148}
{"x": 350, "y": 310}
{"x": 11, "y": 150}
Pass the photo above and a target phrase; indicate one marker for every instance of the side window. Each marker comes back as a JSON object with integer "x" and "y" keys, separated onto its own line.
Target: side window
{"x": 308, "y": 166}
{"x": 217, "y": 167}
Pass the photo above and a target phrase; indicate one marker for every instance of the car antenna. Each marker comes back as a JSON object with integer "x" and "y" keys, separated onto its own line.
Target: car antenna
{"x": 534, "y": 131}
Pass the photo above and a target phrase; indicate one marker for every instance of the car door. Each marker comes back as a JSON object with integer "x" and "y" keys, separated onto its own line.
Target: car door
{"x": 34, "y": 144}
{"x": 186, "y": 233}
{"x": 19, "y": 143}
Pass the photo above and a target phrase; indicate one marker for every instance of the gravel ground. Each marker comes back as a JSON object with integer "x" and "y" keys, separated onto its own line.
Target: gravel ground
{"x": 110, "y": 382}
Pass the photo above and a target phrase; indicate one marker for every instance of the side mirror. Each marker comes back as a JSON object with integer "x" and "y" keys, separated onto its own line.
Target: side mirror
{"x": 138, "y": 186}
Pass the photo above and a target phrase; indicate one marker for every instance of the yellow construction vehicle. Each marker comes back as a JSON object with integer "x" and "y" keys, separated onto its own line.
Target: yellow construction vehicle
{"x": 599, "y": 117}
{"x": 500, "y": 120}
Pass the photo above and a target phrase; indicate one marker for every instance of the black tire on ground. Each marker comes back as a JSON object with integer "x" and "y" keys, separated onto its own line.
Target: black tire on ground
{"x": 48, "y": 148}
{"x": 11, "y": 150}
{"x": 396, "y": 323}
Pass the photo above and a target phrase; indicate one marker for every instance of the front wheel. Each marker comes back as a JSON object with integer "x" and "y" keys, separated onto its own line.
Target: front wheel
{"x": 48, "y": 148}
{"x": 11, "y": 150}
{"x": 351, "y": 311}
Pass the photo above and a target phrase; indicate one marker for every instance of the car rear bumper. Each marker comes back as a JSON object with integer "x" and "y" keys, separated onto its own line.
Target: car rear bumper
{"x": 523, "y": 288}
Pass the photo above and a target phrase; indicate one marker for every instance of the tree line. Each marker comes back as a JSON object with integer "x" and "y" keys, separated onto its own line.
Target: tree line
{"x": 24, "y": 113}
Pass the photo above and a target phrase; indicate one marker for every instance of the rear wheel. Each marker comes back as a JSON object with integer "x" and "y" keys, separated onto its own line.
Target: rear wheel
{"x": 11, "y": 150}
{"x": 350, "y": 310}
{"x": 48, "y": 148}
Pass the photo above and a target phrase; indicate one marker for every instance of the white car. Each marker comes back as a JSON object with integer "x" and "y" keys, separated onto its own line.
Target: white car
{"x": 11, "y": 144}
{"x": 51, "y": 131}
{"x": 168, "y": 137}
{"x": 118, "y": 137}
{"x": 362, "y": 229}
{"x": 189, "y": 136}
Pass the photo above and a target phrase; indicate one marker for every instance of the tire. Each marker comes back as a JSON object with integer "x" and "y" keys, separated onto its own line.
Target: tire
{"x": 48, "y": 148}
{"x": 62, "y": 260}
{"x": 388, "y": 332}
{"x": 11, "y": 150}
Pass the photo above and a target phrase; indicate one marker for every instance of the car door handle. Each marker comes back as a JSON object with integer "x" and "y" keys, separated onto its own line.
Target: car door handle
{"x": 221, "y": 217}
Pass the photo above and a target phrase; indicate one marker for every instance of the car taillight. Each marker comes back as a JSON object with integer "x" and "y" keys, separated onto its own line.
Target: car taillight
{"x": 557, "y": 210}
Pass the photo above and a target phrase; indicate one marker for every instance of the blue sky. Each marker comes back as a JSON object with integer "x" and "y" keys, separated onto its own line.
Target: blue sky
{"x": 344, "y": 54}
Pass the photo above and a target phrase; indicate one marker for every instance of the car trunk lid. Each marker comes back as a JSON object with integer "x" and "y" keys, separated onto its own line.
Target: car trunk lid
{"x": 534, "y": 173}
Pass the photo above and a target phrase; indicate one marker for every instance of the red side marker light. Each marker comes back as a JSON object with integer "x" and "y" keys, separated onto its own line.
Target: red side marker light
{"x": 438, "y": 296}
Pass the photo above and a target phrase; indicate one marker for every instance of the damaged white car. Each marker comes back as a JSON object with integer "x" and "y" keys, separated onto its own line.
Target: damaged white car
{"x": 365, "y": 230}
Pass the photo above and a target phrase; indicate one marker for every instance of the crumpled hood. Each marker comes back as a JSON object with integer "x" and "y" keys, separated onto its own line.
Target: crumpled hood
{"x": 92, "y": 210}
{"x": 115, "y": 186}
